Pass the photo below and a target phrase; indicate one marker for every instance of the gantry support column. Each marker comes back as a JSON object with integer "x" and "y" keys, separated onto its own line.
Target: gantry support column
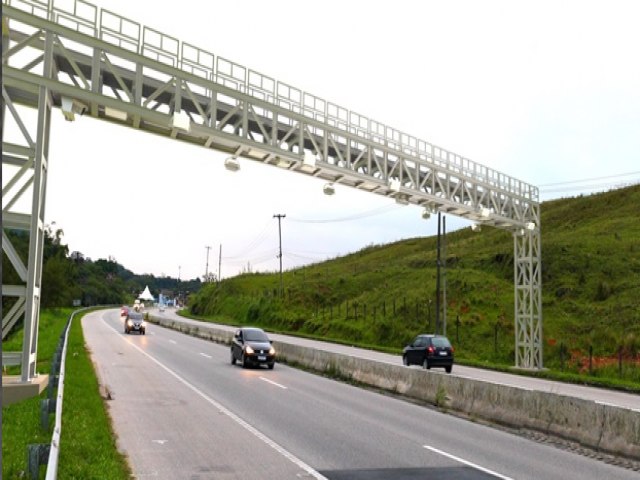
{"x": 528, "y": 298}
{"x": 28, "y": 162}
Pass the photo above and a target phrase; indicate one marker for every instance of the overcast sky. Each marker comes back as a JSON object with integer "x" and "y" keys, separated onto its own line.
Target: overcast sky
{"x": 545, "y": 91}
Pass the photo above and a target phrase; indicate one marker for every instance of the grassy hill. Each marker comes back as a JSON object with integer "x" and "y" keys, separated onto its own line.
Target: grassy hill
{"x": 383, "y": 295}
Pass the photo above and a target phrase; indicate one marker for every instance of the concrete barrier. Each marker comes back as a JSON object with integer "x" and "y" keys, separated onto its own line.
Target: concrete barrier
{"x": 605, "y": 428}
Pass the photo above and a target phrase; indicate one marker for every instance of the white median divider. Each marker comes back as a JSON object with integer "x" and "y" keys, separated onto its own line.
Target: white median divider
{"x": 607, "y": 428}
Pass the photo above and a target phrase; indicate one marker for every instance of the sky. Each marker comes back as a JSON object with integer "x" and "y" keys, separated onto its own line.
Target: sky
{"x": 544, "y": 91}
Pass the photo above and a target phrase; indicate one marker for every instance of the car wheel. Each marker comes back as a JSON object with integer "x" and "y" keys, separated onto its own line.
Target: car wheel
{"x": 271, "y": 365}
{"x": 244, "y": 362}
{"x": 405, "y": 360}
{"x": 449, "y": 368}
{"x": 426, "y": 365}
{"x": 233, "y": 358}
{"x": 144, "y": 332}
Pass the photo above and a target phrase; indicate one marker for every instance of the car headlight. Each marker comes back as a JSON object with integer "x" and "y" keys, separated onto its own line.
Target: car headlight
{"x": 143, "y": 324}
{"x": 248, "y": 349}
{"x": 272, "y": 351}
{"x": 129, "y": 323}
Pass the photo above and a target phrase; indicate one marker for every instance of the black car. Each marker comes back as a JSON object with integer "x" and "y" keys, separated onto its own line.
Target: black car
{"x": 429, "y": 351}
{"x": 134, "y": 322}
{"x": 251, "y": 346}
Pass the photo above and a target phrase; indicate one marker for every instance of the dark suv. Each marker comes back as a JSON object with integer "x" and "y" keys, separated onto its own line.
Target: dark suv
{"x": 429, "y": 351}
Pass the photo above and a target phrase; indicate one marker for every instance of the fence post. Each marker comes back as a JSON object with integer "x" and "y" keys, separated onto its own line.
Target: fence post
{"x": 620, "y": 361}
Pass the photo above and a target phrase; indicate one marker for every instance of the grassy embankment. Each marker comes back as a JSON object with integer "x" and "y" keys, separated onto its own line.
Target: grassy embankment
{"x": 382, "y": 296}
{"x": 87, "y": 448}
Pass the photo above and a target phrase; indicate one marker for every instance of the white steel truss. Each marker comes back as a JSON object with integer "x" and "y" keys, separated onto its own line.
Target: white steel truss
{"x": 112, "y": 68}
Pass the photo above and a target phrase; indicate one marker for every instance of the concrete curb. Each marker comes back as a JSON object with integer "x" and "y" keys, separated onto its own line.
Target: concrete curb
{"x": 605, "y": 428}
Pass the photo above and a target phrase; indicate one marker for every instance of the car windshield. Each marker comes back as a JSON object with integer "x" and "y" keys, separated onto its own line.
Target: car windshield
{"x": 441, "y": 342}
{"x": 135, "y": 316}
{"x": 255, "y": 336}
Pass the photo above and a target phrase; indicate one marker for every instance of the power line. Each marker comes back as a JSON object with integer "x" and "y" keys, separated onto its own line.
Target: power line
{"x": 253, "y": 244}
{"x": 600, "y": 186}
{"x": 260, "y": 257}
{"x": 589, "y": 179}
{"x": 356, "y": 216}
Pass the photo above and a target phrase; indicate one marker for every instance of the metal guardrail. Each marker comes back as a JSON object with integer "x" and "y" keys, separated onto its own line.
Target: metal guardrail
{"x": 39, "y": 454}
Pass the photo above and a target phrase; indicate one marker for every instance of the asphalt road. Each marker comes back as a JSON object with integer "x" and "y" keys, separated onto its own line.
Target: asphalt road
{"x": 181, "y": 410}
{"x": 600, "y": 395}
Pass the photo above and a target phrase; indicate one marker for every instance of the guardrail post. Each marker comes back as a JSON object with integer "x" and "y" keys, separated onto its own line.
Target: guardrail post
{"x": 37, "y": 454}
{"x": 47, "y": 407}
{"x": 53, "y": 384}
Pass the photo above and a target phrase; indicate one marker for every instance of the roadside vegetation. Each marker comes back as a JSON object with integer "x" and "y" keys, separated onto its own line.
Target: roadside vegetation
{"x": 87, "y": 446}
{"x": 67, "y": 277}
{"x": 381, "y": 296}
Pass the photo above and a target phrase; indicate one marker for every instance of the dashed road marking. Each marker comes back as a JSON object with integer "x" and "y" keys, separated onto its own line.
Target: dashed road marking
{"x": 273, "y": 383}
{"x": 466, "y": 462}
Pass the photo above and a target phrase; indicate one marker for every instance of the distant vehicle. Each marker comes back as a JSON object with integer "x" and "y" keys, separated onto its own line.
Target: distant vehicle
{"x": 124, "y": 311}
{"x": 135, "y": 322}
{"x": 251, "y": 346}
{"x": 429, "y": 351}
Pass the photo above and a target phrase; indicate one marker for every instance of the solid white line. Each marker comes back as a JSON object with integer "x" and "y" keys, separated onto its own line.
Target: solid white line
{"x": 205, "y": 355}
{"x": 273, "y": 383}
{"x": 285, "y": 453}
{"x": 466, "y": 462}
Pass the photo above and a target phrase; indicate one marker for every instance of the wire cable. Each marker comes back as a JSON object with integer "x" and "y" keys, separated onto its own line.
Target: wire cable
{"x": 590, "y": 179}
{"x": 349, "y": 218}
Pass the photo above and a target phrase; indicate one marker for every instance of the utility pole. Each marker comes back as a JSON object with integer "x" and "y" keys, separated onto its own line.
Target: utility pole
{"x": 444, "y": 275}
{"x": 438, "y": 279}
{"x": 220, "y": 264}
{"x": 206, "y": 270}
{"x": 280, "y": 217}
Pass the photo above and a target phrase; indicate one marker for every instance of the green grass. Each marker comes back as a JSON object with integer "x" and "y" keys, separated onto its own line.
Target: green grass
{"x": 87, "y": 448}
{"x": 21, "y": 421}
{"x": 382, "y": 296}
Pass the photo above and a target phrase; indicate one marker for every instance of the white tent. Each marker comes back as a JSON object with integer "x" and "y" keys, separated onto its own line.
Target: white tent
{"x": 146, "y": 295}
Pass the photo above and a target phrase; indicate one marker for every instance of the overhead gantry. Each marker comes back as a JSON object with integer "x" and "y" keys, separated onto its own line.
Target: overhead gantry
{"x": 90, "y": 61}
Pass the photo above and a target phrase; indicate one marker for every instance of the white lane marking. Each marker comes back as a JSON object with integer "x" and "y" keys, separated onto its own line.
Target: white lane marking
{"x": 466, "y": 462}
{"x": 205, "y": 355}
{"x": 173, "y": 341}
{"x": 273, "y": 383}
{"x": 257, "y": 433}
{"x": 159, "y": 442}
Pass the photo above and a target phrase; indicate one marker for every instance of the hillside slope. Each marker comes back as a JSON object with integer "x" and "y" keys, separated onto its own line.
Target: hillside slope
{"x": 384, "y": 295}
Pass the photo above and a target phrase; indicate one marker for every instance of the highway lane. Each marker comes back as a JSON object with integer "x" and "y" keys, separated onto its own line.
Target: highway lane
{"x": 216, "y": 419}
{"x": 600, "y": 395}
